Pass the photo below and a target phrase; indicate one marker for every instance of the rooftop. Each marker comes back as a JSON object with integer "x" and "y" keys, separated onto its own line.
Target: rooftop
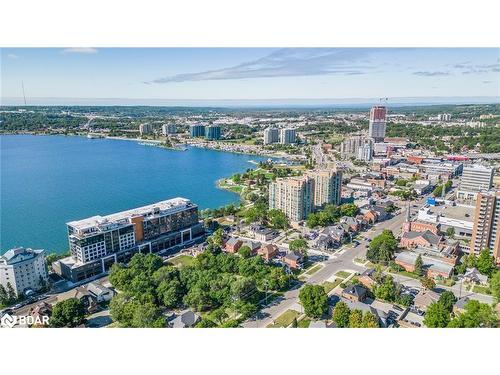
{"x": 157, "y": 209}
{"x": 19, "y": 254}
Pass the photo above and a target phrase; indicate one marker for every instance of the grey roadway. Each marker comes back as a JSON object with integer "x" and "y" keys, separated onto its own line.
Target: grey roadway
{"x": 342, "y": 260}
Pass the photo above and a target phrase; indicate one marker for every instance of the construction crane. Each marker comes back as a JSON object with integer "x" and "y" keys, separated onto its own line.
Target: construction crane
{"x": 24, "y": 95}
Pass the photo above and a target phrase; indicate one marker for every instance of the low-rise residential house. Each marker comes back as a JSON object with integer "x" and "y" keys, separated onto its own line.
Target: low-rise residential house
{"x": 472, "y": 275}
{"x": 293, "y": 260}
{"x": 414, "y": 239}
{"x": 424, "y": 298}
{"x": 268, "y": 252}
{"x": 432, "y": 267}
{"x": 83, "y": 295}
{"x": 370, "y": 216}
{"x": 367, "y": 278}
{"x": 330, "y": 237}
{"x": 100, "y": 292}
{"x": 254, "y": 246}
{"x": 261, "y": 233}
{"x": 233, "y": 245}
{"x": 351, "y": 222}
{"x": 41, "y": 310}
{"x": 459, "y": 306}
{"x": 186, "y": 319}
{"x": 355, "y": 292}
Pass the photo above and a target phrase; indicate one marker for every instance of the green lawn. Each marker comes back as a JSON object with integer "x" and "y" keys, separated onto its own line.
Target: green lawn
{"x": 329, "y": 286}
{"x": 285, "y": 319}
{"x": 406, "y": 273}
{"x": 359, "y": 260}
{"x": 481, "y": 289}
{"x": 446, "y": 282}
{"x": 343, "y": 274}
{"x": 312, "y": 270}
{"x": 304, "y": 323}
{"x": 182, "y": 260}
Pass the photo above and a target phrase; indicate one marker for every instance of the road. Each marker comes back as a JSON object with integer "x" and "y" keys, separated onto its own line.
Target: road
{"x": 341, "y": 260}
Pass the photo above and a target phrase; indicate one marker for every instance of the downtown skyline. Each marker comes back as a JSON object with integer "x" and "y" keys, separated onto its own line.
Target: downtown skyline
{"x": 248, "y": 76}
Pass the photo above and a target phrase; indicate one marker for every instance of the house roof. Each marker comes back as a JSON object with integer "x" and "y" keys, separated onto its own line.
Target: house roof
{"x": 355, "y": 290}
{"x": 425, "y": 298}
{"x": 434, "y": 264}
{"x": 427, "y": 236}
{"x": 98, "y": 289}
{"x": 186, "y": 319}
{"x": 293, "y": 256}
{"x": 251, "y": 244}
{"x": 460, "y": 304}
{"x": 232, "y": 241}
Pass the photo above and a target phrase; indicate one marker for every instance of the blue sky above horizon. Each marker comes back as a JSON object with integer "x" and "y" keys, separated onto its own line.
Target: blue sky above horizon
{"x": 249, "y": 73}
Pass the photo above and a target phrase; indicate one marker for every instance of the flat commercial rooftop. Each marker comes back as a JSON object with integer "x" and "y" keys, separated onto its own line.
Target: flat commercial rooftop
{"x": 159, "y": 208}
{"x": 459, "y": 212}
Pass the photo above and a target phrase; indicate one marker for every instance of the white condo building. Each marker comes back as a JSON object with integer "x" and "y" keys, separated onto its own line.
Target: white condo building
{"x": 287, "y": 136}
{"x": 24, "y": 269}
{"x": 271, "y": 135}
{"x": 475, "y": 178}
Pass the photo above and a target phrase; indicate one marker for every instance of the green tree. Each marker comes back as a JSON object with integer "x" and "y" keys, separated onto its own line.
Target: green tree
{"x": 370, "y": 320}
{"x": 147, "y": 315}
{"x": 427, "y": 283}
{"x": 386, "y": 290}
{"x": 11, "y": 293}
{"x": 245, "y": 252}
{"x": 356, "y": 319}
{"x": 486, "y": 263}
{"x": 436, "y": 316}
{"x": 298, "y": 245}
{"x": 4, "y": 298}
{"x": 122, "y": 309}
{"x": 349, "y": 209}
{"x": 216, "y": 240}
{"x": 447, "y": 299}
{"x": 277, "y": 219}
{"x": 295, "y": 324}
{"x": 218, "y": 315}
{"x": 450, "y": 232}
{"x": 314, "y": 300}
{"x": 419, "y": 266}
{"x": 471, "y": 260}
{"x": 341, "y": 314}
{"x": 495, "y": 286}
{"x": 68, "y": 313}
{"x": 476, "y": 315}
{"x": 382, "y": 247}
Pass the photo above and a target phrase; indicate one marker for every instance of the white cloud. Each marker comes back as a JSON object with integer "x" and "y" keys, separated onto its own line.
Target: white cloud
{"x": 82, "y": 50}
{"x": 12, "y": 56}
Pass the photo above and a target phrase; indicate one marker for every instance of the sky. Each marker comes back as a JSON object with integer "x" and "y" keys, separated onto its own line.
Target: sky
{"x": 218, "y": 74}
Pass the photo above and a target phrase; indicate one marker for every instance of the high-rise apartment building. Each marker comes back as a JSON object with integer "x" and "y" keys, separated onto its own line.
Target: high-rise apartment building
{"x": 292, "y": 195}
{"x": 271, "y": 135}
{"x": 98, "y": 242}
{"x": 23, "y": 269}
{"x": 365, "y": 151}
{"x": 327, "y": 187}
{"x": 475, "y": 178}
{"x": 213, "y": 132}
{"x": 197, "y": 130}
{"x": 378, "y": 119}
{"x": 287, "y": 136}
{"x": 167, "y": 129}
{"x": 486, "y": 230}
{"x": 145, "y": 129}
{"x": 350, "y": 146}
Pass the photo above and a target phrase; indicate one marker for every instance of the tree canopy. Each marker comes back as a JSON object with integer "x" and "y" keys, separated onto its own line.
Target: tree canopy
{"x": 314, "y": 300}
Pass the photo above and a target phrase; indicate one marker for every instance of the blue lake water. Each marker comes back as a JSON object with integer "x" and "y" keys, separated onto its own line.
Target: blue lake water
{"x": 47, "y": 181}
